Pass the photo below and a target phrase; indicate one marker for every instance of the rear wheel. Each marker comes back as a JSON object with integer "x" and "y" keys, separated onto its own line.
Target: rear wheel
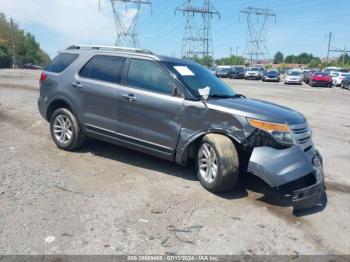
{"x": 65, "y": 130}
{"x": 217, "y": 163}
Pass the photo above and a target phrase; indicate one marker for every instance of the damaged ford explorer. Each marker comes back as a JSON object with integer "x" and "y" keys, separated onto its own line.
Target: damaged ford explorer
{"x": 177, "y": 110}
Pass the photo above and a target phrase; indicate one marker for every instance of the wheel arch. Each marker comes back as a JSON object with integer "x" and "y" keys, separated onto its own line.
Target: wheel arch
{"x": 190, "y": 147}
{"x": 58, "y": 102}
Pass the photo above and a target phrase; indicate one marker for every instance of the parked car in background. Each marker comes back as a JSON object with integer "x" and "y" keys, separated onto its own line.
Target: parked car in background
{"x": 31, "y": 66}
{"x": 293, "y": 77}
{"x": 345, "y": 83}
{"x": 212, "y": 70}
{"x": 330, "y": 69}
{"x": 320, "y": 79}
{"x": 337, "y": 78}
{"x": 253, "y": 73}
{"x": 271, "y": 75}
{"x": 223, "y": 72}
{"x": 237, "y": 72}
{"x": 307, "y": 75}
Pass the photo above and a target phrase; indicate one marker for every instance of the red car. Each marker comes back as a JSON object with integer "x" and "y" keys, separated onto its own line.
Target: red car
{"x": 320, "y": 79}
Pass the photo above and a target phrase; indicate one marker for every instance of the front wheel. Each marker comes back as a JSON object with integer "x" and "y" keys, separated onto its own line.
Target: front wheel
{"x": 65, "y": 130}
{"x": 217, "y": 163}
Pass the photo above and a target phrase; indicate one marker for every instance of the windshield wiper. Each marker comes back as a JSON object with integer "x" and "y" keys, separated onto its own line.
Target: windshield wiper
{"x": 227, "y": 96}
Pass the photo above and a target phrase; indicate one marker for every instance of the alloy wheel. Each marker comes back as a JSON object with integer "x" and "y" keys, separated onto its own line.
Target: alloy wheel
{"x": 207, "y": 162}
{"x": 62, "y": 128}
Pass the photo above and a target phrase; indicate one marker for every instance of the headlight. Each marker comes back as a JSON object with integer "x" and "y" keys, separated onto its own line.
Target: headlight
{"x": 280, "y": 132}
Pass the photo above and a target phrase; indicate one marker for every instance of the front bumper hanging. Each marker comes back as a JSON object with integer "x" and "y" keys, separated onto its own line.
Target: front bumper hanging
{"x": 311, "y": 196}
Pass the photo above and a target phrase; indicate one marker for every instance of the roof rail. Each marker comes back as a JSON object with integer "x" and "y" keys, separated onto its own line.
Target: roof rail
{"x": 110, "y": 48}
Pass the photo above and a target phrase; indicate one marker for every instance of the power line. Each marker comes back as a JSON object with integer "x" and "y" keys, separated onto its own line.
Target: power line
{"x": 197, "y": 40}
{"x": 257, "y": 24}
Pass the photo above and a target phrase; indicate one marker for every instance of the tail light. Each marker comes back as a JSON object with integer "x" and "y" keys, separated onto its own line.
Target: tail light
{"x": 43, "y": 76}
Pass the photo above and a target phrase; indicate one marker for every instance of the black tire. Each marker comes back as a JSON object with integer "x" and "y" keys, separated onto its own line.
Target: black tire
{"x": 227, "y": 163}
{"x": 77, "y": 137}
{"x": 342, "y": 85}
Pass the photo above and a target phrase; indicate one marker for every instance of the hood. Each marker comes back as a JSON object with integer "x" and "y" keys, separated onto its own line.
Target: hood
{"x": 321, "y": 78}
{"x": 252, "y": 72}
{"x": 258, "y": 109}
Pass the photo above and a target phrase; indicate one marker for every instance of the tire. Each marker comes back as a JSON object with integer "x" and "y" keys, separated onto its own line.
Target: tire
{"x": 342, "y": 85}
{"x": 62, "y": 118}
{"x": 226, "y": 159}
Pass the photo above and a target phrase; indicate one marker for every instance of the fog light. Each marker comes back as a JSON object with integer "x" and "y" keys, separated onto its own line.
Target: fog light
{"x": 318, "y": 167}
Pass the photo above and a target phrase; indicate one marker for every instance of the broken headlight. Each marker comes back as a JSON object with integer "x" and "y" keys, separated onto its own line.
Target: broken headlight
{"x": 280, "y": 132}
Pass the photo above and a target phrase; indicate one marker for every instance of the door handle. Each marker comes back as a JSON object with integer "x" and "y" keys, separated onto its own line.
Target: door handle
{"x": 130, "y": 97}
{"x": 77, "y": 85}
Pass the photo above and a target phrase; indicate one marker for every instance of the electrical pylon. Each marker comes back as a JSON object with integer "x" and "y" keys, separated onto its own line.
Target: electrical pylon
{"x": 257, "y": 26}
{"x": 197, "y": 40}
{"x": 127, "y": 33}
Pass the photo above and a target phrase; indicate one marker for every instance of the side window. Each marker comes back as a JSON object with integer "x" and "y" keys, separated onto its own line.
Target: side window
{"x": 61, "y": 62}
{"x": 104, "y": 68}
{"x": 150, "y": 76}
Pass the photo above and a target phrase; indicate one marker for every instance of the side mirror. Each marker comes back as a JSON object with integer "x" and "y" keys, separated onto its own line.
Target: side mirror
{"x": 204, "y": 92}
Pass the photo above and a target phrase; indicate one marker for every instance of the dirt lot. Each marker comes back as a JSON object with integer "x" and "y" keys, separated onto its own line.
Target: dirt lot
{"x": 105, "y": 199}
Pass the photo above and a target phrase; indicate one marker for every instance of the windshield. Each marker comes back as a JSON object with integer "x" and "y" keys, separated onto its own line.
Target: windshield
{"x": 240, "y": 69}
{"x": 197, "y": 77}
{"x": 321, "y": 74}
{"x": 293, "y": 73}
{"x": 254, "y": 69}
{"x": 272, "y": 72}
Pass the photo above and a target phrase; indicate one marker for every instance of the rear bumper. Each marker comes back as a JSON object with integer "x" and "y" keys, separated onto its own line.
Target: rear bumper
{"x": 321, "y": 83}
{"x": 42, "y": 107}
{"x": 252, "y": 77}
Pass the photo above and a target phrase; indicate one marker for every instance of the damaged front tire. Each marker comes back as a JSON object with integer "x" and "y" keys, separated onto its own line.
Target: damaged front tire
{"x": 217, "y": 163}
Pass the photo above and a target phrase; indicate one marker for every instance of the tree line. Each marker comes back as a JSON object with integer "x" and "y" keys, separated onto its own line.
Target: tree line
{"x": 310, "y": 60}
{"x": 27, "y": 48}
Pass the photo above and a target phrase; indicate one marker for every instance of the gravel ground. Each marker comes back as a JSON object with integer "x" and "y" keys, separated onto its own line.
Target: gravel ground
{"x": 105, "y": 199}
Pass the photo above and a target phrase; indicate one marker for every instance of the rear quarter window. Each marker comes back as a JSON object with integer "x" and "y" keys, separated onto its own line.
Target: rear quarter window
{"x": 103, "y": 68}
{"x": 61, "y": 62}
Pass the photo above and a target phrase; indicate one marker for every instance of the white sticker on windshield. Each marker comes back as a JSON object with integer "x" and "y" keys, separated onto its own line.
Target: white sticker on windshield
{"x": 184, "y": 70}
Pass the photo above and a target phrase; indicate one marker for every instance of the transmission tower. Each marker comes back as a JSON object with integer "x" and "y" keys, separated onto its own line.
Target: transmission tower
{"x": 126, "y": 30}
{"x": 257, "y": 24}
{"x": 197, "y": 40}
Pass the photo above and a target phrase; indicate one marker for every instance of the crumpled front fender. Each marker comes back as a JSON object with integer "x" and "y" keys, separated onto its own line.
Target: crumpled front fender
{"x": 279, "y": 166}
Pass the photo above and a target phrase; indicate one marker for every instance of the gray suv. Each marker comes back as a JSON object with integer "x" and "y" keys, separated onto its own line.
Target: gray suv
{"x": 177, "y": 110}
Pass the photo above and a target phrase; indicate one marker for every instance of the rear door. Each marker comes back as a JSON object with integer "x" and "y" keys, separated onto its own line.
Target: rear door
{"x": 149, "y": 113}
{"x": 96, "y": 87}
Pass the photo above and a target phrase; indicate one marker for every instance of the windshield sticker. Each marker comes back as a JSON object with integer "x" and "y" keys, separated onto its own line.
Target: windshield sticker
{"x": 184, "y": 70}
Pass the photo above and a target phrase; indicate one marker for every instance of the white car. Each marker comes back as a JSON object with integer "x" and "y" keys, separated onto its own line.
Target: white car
{"x": 293, "y": 77}
{"x": 253, "y": 73}
{"x": 337, "y": 77}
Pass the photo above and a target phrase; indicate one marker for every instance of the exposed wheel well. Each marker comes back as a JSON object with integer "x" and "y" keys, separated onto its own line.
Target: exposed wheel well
{"x": 55, "y": 105}
{"x": 243, "y": 155}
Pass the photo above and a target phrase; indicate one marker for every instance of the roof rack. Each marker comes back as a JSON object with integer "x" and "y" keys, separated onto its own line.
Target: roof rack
{"x": 110, "y": 48}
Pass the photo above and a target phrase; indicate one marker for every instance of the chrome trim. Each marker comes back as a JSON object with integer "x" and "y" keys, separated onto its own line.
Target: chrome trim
{"x": 126, "y": 136}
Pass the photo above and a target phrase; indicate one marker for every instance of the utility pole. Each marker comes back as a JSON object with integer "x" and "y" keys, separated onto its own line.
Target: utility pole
{"x": 336, "y": 50}
{"x": 329, "y": 46}
{"x": 126, "y": 33}
{"x": 257, "y": 25}
{"x": 237, "y": 50}
{"x": 197, "y": 41}
{"x": 13, "y": 45}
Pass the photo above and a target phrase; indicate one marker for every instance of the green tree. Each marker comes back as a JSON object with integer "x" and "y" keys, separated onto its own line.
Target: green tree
{"x": 291, "y": 59}
{"x": 27, "y": 48}
{"x": 232, "y": 60}
{"x": 278, "y": 58}
{"x": 315, "y": 62}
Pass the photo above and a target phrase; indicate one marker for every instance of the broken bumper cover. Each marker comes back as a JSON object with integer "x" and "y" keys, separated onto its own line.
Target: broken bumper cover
{"x": 279, "y": 167}
{"x": 311, "y": 196}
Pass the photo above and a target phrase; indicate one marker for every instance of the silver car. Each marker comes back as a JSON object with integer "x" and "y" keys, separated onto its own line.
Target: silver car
{"x": 293, "y": 77}
{"x": 177, "y": 110}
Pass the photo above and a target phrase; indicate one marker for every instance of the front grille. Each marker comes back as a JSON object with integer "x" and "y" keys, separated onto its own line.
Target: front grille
{"x": 302, "y": 135}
